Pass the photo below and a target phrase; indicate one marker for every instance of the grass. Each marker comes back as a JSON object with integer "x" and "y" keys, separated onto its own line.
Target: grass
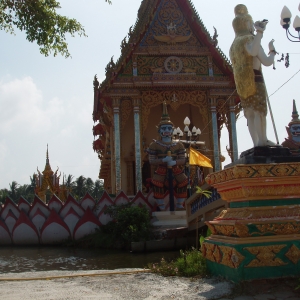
{"x": 189, "y": 264}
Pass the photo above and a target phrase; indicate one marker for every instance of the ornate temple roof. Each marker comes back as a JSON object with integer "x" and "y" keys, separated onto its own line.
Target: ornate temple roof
{"x": 145, "y": 18}
{"x": 47, "y": 171}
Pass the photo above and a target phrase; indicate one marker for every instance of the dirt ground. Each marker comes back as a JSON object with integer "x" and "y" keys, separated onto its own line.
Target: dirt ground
{"x": 118, "y": 284}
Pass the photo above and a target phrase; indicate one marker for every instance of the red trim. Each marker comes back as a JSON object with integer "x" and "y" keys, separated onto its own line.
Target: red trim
{"x": 106, "y": 196}
{"x": 87, "y": 217}
{"x": 10, "y": 214}
{"x": 38, "y": 213}
{"x": 141, "y": 196}
{"x": 72, "y": 201}
{"x": 87, "y": 196}
{"x": 23, "y": 200}
{"x": 23, "y": 218}
{"x": 54, "y": 218}
{"x": 72, "y": 212}
{"x": 121, "y": 196}
{"x": 54, "y": 198}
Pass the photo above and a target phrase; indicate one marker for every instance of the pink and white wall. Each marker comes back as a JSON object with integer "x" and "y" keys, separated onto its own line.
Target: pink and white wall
{"x": 55, "y": 222}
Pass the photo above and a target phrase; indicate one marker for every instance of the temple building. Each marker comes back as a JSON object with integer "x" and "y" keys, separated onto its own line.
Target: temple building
{"x": 169, "y": 56}
{"x": 49, "y": 180}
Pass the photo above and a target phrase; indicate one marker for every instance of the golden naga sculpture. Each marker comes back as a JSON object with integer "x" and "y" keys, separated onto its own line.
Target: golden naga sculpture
{"x": 171, "y": 37}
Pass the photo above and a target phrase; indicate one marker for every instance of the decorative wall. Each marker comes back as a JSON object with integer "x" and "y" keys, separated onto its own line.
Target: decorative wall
{"x": 55, "y": 222}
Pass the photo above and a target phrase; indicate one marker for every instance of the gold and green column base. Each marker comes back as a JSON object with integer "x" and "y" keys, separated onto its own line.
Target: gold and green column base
{"x": 258, "y": 236}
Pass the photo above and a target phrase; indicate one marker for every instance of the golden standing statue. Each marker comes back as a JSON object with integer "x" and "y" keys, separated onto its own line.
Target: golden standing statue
{"x": 247, "y": 55}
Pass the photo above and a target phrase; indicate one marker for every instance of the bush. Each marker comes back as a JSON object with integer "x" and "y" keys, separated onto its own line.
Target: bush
{"x": 190, "y": 263}
{"x": 130, "y": 224}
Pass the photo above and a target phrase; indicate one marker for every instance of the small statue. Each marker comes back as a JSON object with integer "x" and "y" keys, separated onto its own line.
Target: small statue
{"x": 158, "y": 155}
{"x": 293, "y": 130}
{"x": 247, "y": 55}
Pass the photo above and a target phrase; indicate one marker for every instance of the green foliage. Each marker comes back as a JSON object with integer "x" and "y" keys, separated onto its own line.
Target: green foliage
{"x": 3, "y": 195}
{"x": 202, "y": 237}
{"x": 41, "y": 23}
{"x": 206, "y": 193}
{"x": 190, "y": 263}
{"x": 130, "y": 224}
{"x": 83, "y": 185}
{"x": 77, "y": 188}
{"x": 99, "y": 239}
{"x": 16, "y": 190}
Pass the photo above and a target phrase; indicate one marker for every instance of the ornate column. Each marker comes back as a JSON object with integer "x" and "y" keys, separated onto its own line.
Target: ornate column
{"x": 117, "y": 142}
{"x": 213, "y": 108}
{"x": 137, "y": 144}
{"x": 234, "y": 145}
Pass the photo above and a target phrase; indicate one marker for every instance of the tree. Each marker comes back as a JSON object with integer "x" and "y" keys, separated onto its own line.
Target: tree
{"x": 30, "y": 190}
{"x": 89, "y": 185}
{"x": 80, "y": 188}
{"x": 3, "y": 195}
{"x": 41, "y": 23}
{"x": 98, "y": 189}
{"x": 69, "y": 182}
{"x": 13, "y": 192}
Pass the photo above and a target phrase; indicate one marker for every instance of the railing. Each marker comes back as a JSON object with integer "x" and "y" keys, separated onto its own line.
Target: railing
{"x": 202, "y": 201}
{"x": 201, "y": 209}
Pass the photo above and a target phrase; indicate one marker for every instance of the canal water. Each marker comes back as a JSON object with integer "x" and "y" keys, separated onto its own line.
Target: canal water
{"x": 26, "y": 259}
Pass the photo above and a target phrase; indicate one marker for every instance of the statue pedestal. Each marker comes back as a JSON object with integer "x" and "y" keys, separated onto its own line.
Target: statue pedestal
{"x": 169, "y": 219}
{"x": 258, "y": 236}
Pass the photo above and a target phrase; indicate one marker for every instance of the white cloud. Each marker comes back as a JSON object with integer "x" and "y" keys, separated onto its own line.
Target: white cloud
{"x": 29, "y": 121}
{"x": 24, "y": 108}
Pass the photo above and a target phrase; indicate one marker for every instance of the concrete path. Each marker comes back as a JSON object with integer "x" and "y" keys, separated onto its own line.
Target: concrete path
{"x": 121, "y": 285}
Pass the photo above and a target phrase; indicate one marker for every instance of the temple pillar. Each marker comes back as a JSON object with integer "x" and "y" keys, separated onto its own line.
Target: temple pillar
{"x": 137, "y": 144}
{"x": 117, "y": 142}
{"x": 213, "y": 108}
{"x": 233, "y": 146}
{"x": 112, "y": 183}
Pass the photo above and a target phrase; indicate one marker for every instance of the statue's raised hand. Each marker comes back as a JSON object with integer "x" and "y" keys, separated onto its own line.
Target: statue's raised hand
{"x": 260, "y": 26}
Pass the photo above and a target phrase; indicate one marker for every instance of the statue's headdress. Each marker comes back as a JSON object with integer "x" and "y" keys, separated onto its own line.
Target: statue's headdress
{"x": 241, "y": 21}
{"x": 165, "y": 118}
{"x": 295, "y": 115}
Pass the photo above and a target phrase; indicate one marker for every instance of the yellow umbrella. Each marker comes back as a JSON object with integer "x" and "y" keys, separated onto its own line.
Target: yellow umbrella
{"x": 197, "y": 158}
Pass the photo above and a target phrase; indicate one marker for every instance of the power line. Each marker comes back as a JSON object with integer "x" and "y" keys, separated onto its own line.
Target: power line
{"x": 278, "y": 88}
{"x": 285, "y": 83}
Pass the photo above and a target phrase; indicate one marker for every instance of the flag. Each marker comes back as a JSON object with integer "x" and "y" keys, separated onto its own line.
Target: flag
{"x": 197, "y": 158}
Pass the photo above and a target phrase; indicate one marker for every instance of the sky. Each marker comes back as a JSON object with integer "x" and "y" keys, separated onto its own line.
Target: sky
{"x": 49, "y": 100}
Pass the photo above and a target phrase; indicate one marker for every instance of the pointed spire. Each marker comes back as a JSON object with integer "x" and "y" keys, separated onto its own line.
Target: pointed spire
{"x": 165, "y": 118}
{"x": 295, "y": 114}
{"x": 47, "y": 156}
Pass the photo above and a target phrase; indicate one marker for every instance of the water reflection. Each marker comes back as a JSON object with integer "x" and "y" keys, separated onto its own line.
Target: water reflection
{"x": 25, "y": 259}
